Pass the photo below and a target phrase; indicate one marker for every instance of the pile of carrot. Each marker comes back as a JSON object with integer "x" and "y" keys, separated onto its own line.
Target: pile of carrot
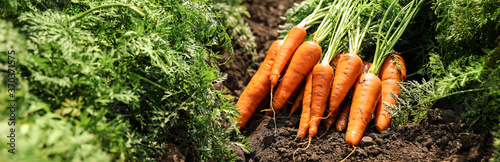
{"x": 331, "y": 84}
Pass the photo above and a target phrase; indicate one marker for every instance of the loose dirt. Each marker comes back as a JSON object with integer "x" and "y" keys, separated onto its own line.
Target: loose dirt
{"x": 439, "y": 137}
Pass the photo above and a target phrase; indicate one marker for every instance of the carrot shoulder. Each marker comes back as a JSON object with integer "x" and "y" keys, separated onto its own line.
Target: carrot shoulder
{"x": 390, "y": 75}
{"x": 366, "y": 95}
{"x": 258, "y": 86}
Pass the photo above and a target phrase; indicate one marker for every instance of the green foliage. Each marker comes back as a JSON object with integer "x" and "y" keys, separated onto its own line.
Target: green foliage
{"x": 461, "y": 82}
{"x": 496, "y": 144}
{"x": 465, "y": 21}
{"x": 299, "y": 12}
{"x": 414, "y": 101}
{"x": 232, "y": 13}
{"x": 10, "y": 39}
{"x": 465, "y": 27}
{"x": 452, "y": 55}
{"x": 123, "y": 84}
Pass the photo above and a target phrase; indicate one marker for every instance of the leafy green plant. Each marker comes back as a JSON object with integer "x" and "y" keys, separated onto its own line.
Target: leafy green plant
{"x": 496, "y": 144}
{"x": 232, "y": 12}
{"x": 126, "y": 82}
{"x": 454, "y": 62}
{"x": 465, "y": 27}
{"x": 456, "y": 81}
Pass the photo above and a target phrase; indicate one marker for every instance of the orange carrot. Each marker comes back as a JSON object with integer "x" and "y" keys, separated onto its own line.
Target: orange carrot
{"x": 293, "y": 40}
{"x": 329, "y": 121}
{"x": 303, "y": 61}
{"x": 348, "y": 70}
{"x": 366, "y": 95}
{"x": 258, "y": 86}
{"x": 322, "y": 78}
{"x": 306, "y": 109}
{"x": 368, "y": 89}
{"x": 297, "y": 104}
{"x": 343, "y": 119}
{"x": 390, "y": 75}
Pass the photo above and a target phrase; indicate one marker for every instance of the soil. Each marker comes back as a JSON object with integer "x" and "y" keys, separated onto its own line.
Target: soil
{"x": 439, "y": 137}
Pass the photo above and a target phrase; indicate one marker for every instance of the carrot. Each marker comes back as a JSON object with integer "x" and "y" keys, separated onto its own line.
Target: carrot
{"x": 293, "y": 40}
{"x": 343, "y": 118}
{"x": 322, "y": 78}
{"x": 303, "y": 61}
{"x": 306, "y": 109}
{"x": 348, "y": 70}
{"x": 390, "y": 75}
{"x": 297, "y": 104}
{"x": 366, "y": 94}
{"x": 368, "y": 90}
{"x": 331, "y": 119}
{"x": 258, "y": 86}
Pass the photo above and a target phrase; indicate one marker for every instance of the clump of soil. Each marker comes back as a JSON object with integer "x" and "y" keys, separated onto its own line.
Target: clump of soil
{"x": 439, "y": 137}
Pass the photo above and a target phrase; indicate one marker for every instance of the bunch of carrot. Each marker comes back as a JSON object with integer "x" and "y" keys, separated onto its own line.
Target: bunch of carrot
{"x": 352, "y": 89}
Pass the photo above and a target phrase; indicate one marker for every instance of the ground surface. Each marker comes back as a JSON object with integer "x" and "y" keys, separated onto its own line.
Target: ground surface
{"x": 438, "y": 138}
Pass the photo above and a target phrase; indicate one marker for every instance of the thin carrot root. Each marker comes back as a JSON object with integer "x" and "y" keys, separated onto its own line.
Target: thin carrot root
{"x": 274, "y": 114}
{"x": 293, "y": 155}
{"x": 349, "y": 154}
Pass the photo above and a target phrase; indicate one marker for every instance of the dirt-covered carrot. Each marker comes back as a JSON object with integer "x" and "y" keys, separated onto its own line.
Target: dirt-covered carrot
{"x": 368, "y": 89}
{"x": 366, "y": 95}
{"x": 343, "y": 119}
{"x": 393, "y": 70}
{"x": 348, "y": 70}
{"x": 306, "y": 109}
{"x": 322, "y": 78}
{"x": 328, "y": 122}
{"x": 258, "y": 86}
{"x": 335, "y": 61}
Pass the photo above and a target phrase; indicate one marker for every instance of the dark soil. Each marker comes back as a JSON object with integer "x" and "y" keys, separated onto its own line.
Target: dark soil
{"x": 439, "y": 137}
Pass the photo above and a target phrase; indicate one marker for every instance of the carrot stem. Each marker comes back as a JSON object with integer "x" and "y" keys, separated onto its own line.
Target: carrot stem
{"x": 387, "y": 39}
